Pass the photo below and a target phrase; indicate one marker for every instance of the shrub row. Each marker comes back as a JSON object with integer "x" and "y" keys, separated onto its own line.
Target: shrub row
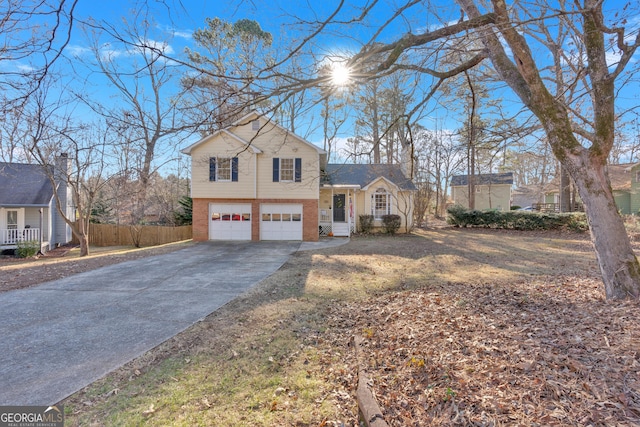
{"x": 516, "y": 220}
{"x": 390, "y": 223}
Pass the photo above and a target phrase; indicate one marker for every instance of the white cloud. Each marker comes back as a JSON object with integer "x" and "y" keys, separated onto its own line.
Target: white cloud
{"x": 77, "y": 51}
{"x": 24, "y": 68}
{"x": 181, "y": 34}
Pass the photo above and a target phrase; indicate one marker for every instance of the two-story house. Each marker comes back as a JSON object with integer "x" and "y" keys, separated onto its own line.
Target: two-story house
{"x": 255, "y": 180}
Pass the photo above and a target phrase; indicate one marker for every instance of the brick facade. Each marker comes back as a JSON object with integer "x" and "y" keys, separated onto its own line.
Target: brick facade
{"x": 309, "y": 216}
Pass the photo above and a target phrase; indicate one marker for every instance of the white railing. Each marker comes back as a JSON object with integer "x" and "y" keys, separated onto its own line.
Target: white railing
{"x": 325, "y": 215}
{"x": 13, "y": 236}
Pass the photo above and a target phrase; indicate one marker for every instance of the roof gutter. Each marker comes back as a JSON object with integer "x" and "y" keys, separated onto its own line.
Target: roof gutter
{"x": 342, "y": 186}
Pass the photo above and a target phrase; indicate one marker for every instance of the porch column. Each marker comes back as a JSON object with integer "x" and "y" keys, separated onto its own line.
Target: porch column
{"x": 350, "y": 210}
{"x": 331, "y": 210}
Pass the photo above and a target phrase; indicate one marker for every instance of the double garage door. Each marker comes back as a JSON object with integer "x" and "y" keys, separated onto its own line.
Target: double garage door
{"x": 233, "y": 221}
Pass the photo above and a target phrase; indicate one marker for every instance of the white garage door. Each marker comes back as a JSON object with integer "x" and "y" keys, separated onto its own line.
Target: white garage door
{"x": 280, "y": 222}
{"x": 229, "y": 221}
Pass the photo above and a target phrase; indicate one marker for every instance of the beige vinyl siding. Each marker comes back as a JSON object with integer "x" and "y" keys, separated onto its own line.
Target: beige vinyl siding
{"x": 496, "y": 196}
{"x": 308, "y": 188}
{"x": 400, "y": 201}
{"x": 227, "y": 147}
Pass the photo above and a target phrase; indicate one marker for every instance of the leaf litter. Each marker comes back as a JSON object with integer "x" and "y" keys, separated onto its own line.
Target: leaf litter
{"x": 541, "y": 350}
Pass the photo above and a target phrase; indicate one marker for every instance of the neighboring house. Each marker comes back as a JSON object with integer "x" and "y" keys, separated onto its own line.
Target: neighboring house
{"x": 28, "y": 208}
{"x": 255, "y": 180}
{"x": 527, "y": 195}
{"x": 492, "y": 191}
{"x": 625, "y": 183}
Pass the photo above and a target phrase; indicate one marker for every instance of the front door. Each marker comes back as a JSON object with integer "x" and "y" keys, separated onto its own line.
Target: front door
{"x": 338, "y": 208}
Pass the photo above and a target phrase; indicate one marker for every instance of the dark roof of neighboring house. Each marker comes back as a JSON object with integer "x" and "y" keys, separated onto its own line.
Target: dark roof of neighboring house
{"x": 24, "y": 185}
{"x": 484, "y": 179}
{"x": 365, "y": 174}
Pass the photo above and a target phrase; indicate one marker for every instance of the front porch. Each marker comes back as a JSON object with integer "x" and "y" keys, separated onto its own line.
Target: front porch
{"x": 9, "y": 238}
{"x": 337, "y": 212}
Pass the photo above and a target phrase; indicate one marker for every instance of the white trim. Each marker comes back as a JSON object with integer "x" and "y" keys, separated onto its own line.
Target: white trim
{"x": 388, "y": 205}
{"x": 369, "y": 185}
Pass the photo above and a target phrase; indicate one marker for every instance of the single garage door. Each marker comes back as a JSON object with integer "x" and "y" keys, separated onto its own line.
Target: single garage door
{"x": 280, "y": 222}
{"x": 229, "y": 221}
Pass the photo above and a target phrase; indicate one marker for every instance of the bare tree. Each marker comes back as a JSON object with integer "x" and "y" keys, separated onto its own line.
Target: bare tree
{"x": 75, "y": 150}
{"x": 34, "y": 37}
{"x": 148, "y": 115}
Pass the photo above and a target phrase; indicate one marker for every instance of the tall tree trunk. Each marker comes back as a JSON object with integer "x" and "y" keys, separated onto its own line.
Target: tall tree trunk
{"x": 565, "y": 190}
{"x": 618, "y": 264}
{"x": 84, "y": 245}
{"x": 586, "y": 164}
{"x": 375, "y": 128}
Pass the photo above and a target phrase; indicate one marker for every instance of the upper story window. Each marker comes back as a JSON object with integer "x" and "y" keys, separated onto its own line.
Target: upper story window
{"x": 637, "y": 176}
{"x": 255, "y": 124}
{"x": 287, "y": 169}
{"x": 380, "y": 203}
{"x": 223, "y": 169}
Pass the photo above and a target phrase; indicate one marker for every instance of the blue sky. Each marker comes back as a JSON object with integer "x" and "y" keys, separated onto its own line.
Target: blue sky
{"x": 176, "y": 20}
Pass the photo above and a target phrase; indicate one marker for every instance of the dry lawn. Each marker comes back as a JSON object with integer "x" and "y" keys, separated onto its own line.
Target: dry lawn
{"x": 460, "y": 327}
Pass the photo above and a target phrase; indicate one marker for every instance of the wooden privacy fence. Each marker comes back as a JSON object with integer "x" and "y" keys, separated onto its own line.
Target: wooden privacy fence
{"x": 124, "y": 235}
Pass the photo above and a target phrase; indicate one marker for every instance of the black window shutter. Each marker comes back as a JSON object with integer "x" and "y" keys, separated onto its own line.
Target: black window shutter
{"x": 276, "y": 169}
{"x": 234, "y": 169}
{"x": 212, "y": 168}
{"x": 298, "y": 169}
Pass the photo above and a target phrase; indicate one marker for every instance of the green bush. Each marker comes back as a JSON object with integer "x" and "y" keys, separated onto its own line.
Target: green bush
{"x": 366, "y": 223}
{"x": 516, "y": 220}
{"x": 27, "y": 248}
{"x": 391, "y": 223}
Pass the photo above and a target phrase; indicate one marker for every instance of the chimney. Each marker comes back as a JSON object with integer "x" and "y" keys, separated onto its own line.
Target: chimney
{"x": 407, "y": 161}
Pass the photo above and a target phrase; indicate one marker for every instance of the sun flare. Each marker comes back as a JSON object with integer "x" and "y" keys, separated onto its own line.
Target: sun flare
{"x": 340, "y": 74}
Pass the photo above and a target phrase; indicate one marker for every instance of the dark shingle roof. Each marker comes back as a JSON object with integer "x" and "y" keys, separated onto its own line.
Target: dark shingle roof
{"x": 484, "y": 179}
{"x": 24, "y": 185}
{"x": 364, "y": 174}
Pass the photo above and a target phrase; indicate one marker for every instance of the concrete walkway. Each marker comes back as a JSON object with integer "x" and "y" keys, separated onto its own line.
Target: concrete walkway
{"x": 59, "y": 337}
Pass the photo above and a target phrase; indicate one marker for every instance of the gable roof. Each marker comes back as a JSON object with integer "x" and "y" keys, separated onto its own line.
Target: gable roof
{"x": 484, "y": 179}
{"x": 362, "y": 175}
{"x": 252, "y": 147}
{"x": 255, "y": 115}
{"x": 243, "y": 121}
{"x": 24, "y": 185}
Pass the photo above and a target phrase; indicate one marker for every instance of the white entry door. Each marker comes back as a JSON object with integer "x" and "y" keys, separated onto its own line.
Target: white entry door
{"x": 229, "y": 221}
{"x": 281, "y": 222}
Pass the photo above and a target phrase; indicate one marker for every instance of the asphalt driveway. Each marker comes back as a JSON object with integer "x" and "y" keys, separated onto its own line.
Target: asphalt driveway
{"x": 62, "y": 335}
